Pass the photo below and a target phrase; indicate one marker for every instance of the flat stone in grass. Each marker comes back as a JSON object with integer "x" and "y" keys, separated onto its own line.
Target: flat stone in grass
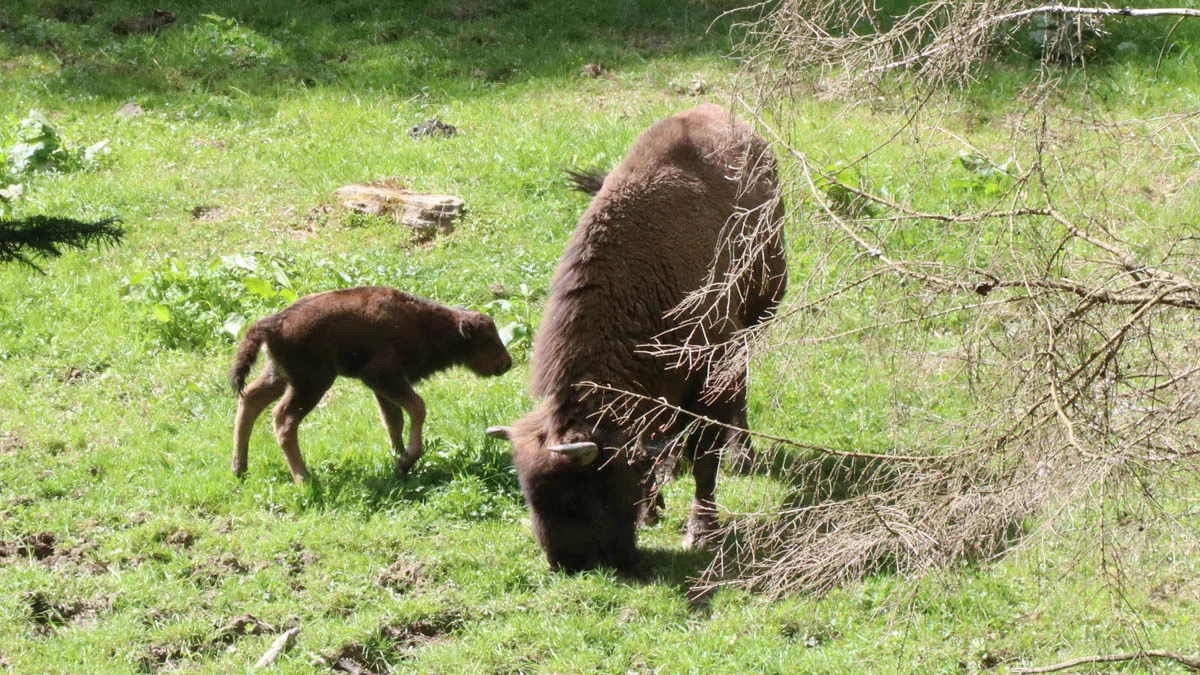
{"x": 427, "y": 214}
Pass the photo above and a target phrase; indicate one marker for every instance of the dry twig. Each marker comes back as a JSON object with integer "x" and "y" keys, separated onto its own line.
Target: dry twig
{"x": 1191, "y": 663}
{"x": 281, "y": 644}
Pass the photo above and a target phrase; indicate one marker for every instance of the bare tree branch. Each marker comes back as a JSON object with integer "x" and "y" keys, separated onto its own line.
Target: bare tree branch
{"x": 1188, "y": 662}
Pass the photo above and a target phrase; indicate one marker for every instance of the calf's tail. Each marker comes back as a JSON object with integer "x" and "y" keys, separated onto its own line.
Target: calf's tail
{"x": 247, "y": 353}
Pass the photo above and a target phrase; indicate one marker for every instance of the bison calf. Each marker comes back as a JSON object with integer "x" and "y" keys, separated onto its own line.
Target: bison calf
{"x": 388, "y": 339}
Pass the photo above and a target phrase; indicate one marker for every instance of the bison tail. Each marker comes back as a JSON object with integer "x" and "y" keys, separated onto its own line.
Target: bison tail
{"x": 588, "y": 182}
{"x": 247, "y": 354}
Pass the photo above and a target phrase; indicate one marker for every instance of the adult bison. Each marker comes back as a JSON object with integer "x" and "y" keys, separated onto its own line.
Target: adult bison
{"x": 696, "y": 194}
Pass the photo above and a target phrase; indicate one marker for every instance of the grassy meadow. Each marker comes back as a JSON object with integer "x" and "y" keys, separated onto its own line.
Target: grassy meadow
{"x": 126, "y": 544}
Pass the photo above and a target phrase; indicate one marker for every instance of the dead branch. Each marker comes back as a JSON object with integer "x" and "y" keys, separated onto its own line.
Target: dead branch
{"x": 637, "y": 412}
{"x": 1023, "y": 341}
{"x": 281, "y": 644}
{"x": 934, "y": 44}
{"x": 985, "y": 24}
{"x": 1191, "y": 663}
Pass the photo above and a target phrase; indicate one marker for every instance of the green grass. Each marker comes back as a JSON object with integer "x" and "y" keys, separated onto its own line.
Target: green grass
{"x": 115, "y": 431}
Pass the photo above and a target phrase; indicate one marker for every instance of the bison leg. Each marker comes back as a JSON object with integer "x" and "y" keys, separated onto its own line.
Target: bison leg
{"x": 705, "y": 449}
{"x": 652, "y": 503}
{"x": 739, "y": 450}
{"x": 392, "y": 416}
{"x": 299, "y": 400}
{"x": 415, "y": 406}
{"x": 394, "y": 394}
{"x": 254, "y": 399}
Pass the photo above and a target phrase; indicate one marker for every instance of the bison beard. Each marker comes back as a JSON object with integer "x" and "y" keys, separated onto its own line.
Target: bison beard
{"x": 671, "y": 214}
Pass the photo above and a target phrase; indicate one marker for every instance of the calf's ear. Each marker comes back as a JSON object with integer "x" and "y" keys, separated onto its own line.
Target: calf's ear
{"x": 503, "y": 433}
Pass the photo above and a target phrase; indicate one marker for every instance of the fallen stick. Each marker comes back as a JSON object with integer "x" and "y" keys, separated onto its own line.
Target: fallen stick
{"x": 1188, "y": 662}
{"x": 279, "y": 646}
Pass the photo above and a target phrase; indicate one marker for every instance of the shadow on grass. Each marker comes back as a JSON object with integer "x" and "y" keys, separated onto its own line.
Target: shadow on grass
{"x": 481, "y": 472}
{"x": 406, "y": 48}
{"x": 677, "y": 568}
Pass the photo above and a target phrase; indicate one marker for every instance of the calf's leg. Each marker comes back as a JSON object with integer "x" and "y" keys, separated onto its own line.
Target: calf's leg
{"x": 299, "y": 400}
{"x": 393, "y": 421}
{"x": 415, "y": 406}
{"x": 259, "y": 394}
{"x": 393, "y": 393}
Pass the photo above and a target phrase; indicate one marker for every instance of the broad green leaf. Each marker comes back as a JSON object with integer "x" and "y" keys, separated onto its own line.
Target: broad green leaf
{"x": 257, "y": 286}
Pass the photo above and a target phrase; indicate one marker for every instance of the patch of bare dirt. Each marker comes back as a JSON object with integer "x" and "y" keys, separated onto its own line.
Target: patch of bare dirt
{"x": 46, "y": 548}
{"x": 402, "y": 576}
{"x": 180, "y": 538}
{"x": 410, "y": 636}
{"x": 432, "y": 127}
{"x": 47, "y": 616}
{"x": 392, "y": 641}
{"x": 297, "y": 559}
{"x": 208, "y": 213}
{"x": 304, "y": 226}
{"x": 144, "y": 23}
{"x": 131, "y": 109}
{"x": 162, "y": 656}
{"x": 138, "y": 518}
{"x": 239, "y": 627}
{"x": 10, "y": 442}
{"x": 155, "y": 657}
{"x": 213, "y": 571}
{"x": 78, "y": 375}
{"x": 356, "y": 659}
{"x": 39, "y": 546}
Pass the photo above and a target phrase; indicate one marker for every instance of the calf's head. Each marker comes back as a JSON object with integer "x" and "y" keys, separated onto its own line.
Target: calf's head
{"x": 583, "y": 495}
{"x": 485, "y": 353}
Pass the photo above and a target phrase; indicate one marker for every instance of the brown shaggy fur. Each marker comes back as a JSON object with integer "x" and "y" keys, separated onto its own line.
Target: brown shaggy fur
{"x": 658, "y": 224}
{"x": 388, "y": 339}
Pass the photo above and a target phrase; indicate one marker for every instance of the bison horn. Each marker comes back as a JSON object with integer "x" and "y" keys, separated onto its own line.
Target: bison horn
{"x": 503, "y": 433}
{"x": 582, "y": 453}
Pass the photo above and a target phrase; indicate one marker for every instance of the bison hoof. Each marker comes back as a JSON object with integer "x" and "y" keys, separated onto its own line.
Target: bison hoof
{"x": 700, "y": 535}
{"x": 639, "y": 571}
{"x": 650, "y": 516}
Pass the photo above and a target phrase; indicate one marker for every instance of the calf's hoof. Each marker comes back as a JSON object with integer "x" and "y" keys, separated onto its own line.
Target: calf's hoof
{"x": 402, "y": 469}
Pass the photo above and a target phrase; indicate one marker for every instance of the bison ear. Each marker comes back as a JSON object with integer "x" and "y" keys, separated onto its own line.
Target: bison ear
{"x": 583, "y": 453}
{"x": 502, "y": 433}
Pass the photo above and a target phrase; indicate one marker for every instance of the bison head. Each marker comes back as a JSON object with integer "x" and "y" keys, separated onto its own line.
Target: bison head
{"x": 485, "y": 353}
{"x": 584, "y": 494}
